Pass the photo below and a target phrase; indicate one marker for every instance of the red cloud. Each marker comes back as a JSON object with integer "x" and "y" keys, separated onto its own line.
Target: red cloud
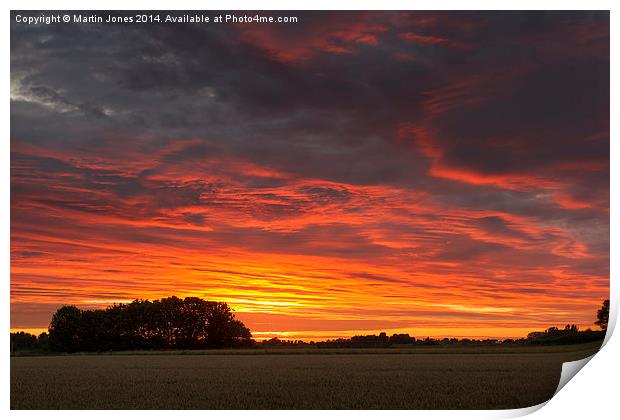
{"x": 342, "y": 37}
{"x": 429, "y": 40}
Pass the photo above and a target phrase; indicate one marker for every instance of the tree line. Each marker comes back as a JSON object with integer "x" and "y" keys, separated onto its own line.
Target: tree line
{"x": 551, "y": 336}
{"x": 169, "y": 323}
{"x": 193, "y": 323}
{"x": 570, "y": 334}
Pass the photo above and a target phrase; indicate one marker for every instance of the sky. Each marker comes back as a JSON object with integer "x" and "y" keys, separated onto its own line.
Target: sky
{"x": 434, "y": 173}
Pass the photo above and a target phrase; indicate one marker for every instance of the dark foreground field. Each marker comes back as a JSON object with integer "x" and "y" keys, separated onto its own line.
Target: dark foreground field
{"x": 417, "y": 378}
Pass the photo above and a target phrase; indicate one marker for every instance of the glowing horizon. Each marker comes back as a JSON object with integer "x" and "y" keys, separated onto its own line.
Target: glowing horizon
{"x": 354, "y": 173}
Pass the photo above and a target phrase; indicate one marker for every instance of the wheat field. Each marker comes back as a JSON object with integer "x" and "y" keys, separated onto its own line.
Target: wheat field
{"x": 436, "y": 378}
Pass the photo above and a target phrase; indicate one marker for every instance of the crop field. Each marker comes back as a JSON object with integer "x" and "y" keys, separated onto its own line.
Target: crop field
{"x": 417, "y": 378}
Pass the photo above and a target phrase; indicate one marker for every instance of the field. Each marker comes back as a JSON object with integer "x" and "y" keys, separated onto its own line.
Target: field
{"x": 458, "y": 377}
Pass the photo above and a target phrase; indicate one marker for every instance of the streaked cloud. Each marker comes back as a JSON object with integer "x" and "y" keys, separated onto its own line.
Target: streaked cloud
{"x": 415, "y": 172}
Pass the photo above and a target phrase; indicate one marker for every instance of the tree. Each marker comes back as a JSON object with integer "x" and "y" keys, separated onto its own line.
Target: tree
{"x": 571, "y": 328}
{"x": 169, "y": 323}
{"x": 23, "y": 341}
{"x": 238, "y": 334}
{"x": 64, "y": 330}
{"x": 43, "y": 340}
{"x": 602, "y": 316}
{"x": 219, "y": 319}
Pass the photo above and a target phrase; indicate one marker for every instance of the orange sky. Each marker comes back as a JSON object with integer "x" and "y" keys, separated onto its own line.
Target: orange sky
{"x": 370, "y": 206}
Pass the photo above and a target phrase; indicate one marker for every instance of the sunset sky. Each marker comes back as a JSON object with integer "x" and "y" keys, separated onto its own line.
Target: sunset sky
{"x": 442, "y": 174}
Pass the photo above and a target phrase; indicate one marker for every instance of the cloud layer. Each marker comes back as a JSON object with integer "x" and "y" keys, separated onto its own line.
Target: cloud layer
{"x": 434, "y": 172}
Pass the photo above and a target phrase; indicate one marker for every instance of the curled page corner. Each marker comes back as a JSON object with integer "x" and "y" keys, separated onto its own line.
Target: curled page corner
{"x": 521, "y": 412}
{"x": 569, "y": 370}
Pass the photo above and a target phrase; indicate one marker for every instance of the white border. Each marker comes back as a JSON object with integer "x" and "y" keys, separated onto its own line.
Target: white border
{"x": 592, "y": 395}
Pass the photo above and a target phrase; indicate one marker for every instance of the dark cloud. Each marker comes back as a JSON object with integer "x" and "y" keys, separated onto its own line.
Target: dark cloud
{"x": 497, "y": 225}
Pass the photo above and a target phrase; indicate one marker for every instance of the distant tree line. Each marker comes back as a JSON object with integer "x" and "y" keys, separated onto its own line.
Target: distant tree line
{"x": 23, "y": 341}
{"x": 569, "y": 335}
{"x": 368, "y": 341}
{"x": 169, "y": 323}
{"x": 553, "y": 335}
{"x": 278, "y": 342}
{"x": 193, "y": 323}
{"x": 358, "y": 341}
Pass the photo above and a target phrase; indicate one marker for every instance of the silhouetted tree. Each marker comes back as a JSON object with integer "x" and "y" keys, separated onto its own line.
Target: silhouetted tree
{"x": 572, "y": 328}
{"x": 401, "y": 339}
{"x": 219, "y": 328}
{"x": 602, "y": 316}
{"x": 43, "y": 341}
{"x": 171, "y": 323}
{"x": 23, "y": 341}
{"x": 65, "y": 329}
{"x": 238, "y": 334}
